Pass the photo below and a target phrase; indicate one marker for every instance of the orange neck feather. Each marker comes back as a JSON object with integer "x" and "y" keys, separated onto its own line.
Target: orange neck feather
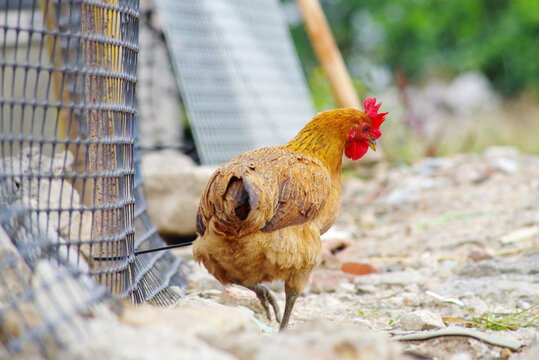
{"x": 325, "y": 136}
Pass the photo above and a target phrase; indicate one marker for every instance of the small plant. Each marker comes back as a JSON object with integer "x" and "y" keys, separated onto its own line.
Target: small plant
{"x": 520, "y": 319}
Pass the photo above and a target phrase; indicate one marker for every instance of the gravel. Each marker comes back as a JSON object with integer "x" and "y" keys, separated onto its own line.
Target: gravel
{"x": 452, "y": 241}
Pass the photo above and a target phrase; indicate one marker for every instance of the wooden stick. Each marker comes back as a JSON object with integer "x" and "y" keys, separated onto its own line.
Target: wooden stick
{"x": 489, "y": 338}
{"x": 328, "y": 53}
{"x": 330, "y": 58}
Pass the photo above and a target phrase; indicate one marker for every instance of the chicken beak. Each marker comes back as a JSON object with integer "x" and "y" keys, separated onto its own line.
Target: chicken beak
{"x": 372, "y": 144}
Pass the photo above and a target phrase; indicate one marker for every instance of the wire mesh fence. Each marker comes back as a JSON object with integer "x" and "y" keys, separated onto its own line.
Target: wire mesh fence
{"x": 155, "y": 272}
{"x": 67, "y": 137}
{"x": 44, "y": 298}
{"x": 67, "y": 118}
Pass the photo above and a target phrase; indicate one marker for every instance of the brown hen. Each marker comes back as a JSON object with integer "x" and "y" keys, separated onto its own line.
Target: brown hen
{"x": 261, "y": 215}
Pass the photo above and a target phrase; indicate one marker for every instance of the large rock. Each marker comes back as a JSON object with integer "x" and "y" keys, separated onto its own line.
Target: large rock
{"x": 173, "y": 184}
{"x": 16, "y": 273}
{"x": 155, "y": 333}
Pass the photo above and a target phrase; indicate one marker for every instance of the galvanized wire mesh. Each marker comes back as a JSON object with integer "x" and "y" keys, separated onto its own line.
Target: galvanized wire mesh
{"x": 238, "y": 73}
{"x": 44, "y": 297}
{"x": 157, "y": 271}
{"x": 67, "y": 120}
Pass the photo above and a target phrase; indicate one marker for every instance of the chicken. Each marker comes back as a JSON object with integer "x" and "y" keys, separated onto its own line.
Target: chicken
{"x": 261, "y": 215}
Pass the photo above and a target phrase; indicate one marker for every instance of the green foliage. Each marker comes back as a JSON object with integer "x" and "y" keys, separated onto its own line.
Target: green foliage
{"x": 321, "y": 90}
{"x": 421, "y": 37}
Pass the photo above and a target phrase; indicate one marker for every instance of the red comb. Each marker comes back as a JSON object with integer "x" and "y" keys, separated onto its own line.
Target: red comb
{"x": 371, "y": 109}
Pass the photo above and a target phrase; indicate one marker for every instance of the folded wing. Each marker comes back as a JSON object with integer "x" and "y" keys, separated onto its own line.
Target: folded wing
{"x": 263, "y": 190}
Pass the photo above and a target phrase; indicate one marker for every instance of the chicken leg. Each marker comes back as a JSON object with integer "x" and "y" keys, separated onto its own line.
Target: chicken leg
{"x": 266, "y": 296}
{"x": 291, "y": 296}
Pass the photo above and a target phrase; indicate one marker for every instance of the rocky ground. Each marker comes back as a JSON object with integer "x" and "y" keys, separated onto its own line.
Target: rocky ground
{"x": 438, "y": 260}
{"x": 447, "y": 243}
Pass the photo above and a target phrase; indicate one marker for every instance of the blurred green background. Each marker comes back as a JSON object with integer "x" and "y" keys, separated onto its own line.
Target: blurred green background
{"x": 456, "y": 76}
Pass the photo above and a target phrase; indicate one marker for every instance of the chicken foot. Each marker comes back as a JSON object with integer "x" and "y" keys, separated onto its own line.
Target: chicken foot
{"x": 266, "y": 296}
{"x": 291, "y": 296}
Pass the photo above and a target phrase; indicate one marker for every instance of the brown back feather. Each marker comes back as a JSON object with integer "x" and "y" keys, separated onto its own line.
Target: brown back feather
{"x": 263, "y": 190}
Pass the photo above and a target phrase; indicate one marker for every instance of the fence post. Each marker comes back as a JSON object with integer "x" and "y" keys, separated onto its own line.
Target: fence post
{"x": 103, "y": 60}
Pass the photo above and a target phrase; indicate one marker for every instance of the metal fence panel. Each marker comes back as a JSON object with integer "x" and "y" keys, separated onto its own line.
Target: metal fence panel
{"x": 238, "y": 73}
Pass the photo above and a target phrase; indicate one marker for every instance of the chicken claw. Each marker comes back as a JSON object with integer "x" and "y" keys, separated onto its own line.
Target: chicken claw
{"x": 265, "y": 296}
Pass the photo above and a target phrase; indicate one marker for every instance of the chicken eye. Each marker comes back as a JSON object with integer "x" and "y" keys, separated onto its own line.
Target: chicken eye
{"x": 366, "y": 128}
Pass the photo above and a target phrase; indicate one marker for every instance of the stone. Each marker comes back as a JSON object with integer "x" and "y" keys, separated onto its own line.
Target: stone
{"x": 461, "y": 356}
{"x": 421, "y": 320}
{"x": 501, "y": 151}
{"x": 505, "y": 165}
{"x": 431, "y": 165}
{"x": 173, "y": 185}
{"x": 327, "y": 280}
{"x": 195, "y": 300}
{"x": 321, "y": 339}
{"x": 209, "y": 323}
{"x": 56, "y": 194}
{"x": 236, "y": 296}
{"x": 16, "y": 322}
{"x": 16, "y": 273}
{"x": 402, "y": 195}
{"x": 526, "y": 265}
{"x": 62, "y": 162}
{"x": 505, "y": 353}
{"x": 60, "y": 293}
{"x": 410, "y": 298}
{"x": 367, "y": 220}
{"x": 346, "y": 288}
{"x": 49, "y": 234}
{"x": 245, "y": 345}
{"x": 476, "y": 254}
{"x": 143, "y": 333}
{"x": 405, "y": 277}
{"x": 200, "y": 279}
{"x": 500, "y": 292}
{"x": 32, "y": 161}
{"x": 521, "y": 234}
{"x": 80, "y": 229}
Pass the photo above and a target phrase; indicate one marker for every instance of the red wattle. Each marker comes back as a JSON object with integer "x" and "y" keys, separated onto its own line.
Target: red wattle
{"x": 356, "y": 149}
